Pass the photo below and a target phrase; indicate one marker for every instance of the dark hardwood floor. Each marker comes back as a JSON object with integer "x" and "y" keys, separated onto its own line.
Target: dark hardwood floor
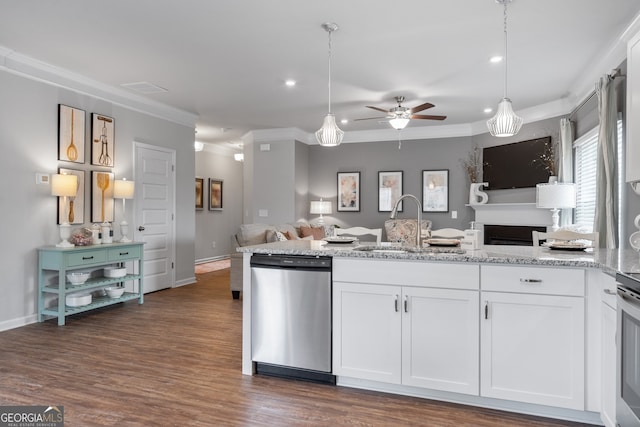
{"x": 175, "y": 361}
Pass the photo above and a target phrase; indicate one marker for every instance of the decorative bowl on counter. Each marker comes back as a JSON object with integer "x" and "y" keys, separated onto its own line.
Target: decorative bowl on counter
{"x": 77, "y": 278}
{"x": 114, "y": 291}
{"x": 78, "y": 299}
{"x": 114, "y": 272}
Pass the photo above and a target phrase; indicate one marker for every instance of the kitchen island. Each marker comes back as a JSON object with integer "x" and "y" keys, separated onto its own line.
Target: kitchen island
{"x": 512, "y": 328}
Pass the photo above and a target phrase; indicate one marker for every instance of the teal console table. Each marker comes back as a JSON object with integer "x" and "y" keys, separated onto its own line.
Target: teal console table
{"x": 85, "y": 258}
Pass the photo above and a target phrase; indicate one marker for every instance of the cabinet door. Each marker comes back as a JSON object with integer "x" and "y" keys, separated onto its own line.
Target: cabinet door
{"x": 440, "y": 340}
{"x": 608, "y": 410}
{"x": 532, "y": 349}
{"x": 367, "y": 331}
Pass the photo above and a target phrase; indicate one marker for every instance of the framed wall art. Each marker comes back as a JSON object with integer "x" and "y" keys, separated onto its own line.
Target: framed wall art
{"x": 389, "y": 190}
{"x": 75, "y": 212}
{"x": 71, "y": 134}
{"x": 215, "y": 194}
{"x": 101, "y": 196}
{"x": 102, "y": 140}
{"x": 348, "y": 191}
{"x": 199, "y": 193}
{"x": 435, "y": 190}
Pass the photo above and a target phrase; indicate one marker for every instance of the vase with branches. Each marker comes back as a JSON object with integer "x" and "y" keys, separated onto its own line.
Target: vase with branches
{"x": 473, "y": 164}
{"x": 548, "y": 159}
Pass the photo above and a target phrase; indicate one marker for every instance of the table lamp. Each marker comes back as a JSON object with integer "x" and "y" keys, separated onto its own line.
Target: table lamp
{"x": 555, "y": 196}
{"x": 64, "y": 186}
{"x": 320, "y": 207}
{"x": 123, "y": 189}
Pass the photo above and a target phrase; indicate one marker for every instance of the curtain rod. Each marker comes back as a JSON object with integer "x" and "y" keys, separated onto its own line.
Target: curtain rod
{"x": 614, "y": 75}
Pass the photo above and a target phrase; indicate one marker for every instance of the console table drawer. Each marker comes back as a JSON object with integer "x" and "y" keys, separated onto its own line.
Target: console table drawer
{"x": 85, "y": 258}
{"x": 123, "y": 254}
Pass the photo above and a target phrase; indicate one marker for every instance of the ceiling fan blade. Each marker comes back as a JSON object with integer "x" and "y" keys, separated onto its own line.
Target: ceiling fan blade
{"x": 370, "y": 118}
{"x": 420, "y": 116}
{"x": 421, "y": 107}
{"x": 377, "y": 109}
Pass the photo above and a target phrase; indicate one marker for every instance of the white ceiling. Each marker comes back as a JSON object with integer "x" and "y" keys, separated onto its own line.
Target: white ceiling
{"x": 226, "y": 61}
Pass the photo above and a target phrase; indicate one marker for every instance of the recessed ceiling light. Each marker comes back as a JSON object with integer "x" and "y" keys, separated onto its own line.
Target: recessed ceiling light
{"x": 290, "y": 83}
{"x": 344, "y": 121}
{"x": 488, "y": 110}
{"x": 495, "y": 59}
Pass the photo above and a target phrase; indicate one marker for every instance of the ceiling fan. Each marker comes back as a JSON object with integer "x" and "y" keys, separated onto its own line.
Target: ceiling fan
{"x": 399, "y": 116}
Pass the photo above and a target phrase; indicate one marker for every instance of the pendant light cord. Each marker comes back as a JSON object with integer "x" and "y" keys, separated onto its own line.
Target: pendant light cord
{"x": 505, "y": 48}
{"x": 330, "y": 31}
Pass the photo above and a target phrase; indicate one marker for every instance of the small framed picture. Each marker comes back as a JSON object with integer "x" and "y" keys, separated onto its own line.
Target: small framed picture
{"x": 102, "y": 140}
{"x": 348, "y": 191}
{"x": 389, "y": 190}
{"x": 215, "y": 194}
{"x": 101, "y": 196}
{"x": 75, "y": 207}
{"x": 435, "y": 190}
{"x": 71, "y": 134}
{"x": 199, "y": 193}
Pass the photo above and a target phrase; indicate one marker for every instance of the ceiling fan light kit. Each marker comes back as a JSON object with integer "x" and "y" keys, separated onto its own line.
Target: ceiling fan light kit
{"x": 505, "y": 122}
{"x": 329, "y": 135}
{"x": 399, "y": 117}
{"x": 399, "y": 123}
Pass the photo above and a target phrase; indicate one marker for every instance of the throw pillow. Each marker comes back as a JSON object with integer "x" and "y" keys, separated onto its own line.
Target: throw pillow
{"x": 289, "y": 235}
{"x": 281, "y": 237}
{"x": 316, "y": 232}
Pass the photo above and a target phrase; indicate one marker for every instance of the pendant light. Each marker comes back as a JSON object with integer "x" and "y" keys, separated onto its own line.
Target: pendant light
{"x": 329, "y": 135}
{"x": 505, "y": 122}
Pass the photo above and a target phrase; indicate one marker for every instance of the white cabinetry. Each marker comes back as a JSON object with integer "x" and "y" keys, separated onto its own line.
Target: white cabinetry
{"x": 633, "y": 109}
{"x": 405, "y": 323}
{"x": 608, "y": 360}
{"x": 532, "y": 335}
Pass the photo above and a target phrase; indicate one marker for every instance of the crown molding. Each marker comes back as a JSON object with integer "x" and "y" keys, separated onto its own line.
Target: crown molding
{"x": 34, "y": 69}
{"x": 279, "y": 134}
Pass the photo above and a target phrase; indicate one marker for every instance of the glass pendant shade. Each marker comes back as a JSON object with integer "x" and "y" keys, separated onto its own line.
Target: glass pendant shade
{"x": 399, "y": 123}
{"x": 329, "y": 135}
{"x": 505, "y": 122}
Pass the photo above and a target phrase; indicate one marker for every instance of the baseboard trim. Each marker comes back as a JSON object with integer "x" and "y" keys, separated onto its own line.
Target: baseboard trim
{"x": 18, "y": 322}
{"x": 184, "y": 282}
{"x": 215, "y": 258}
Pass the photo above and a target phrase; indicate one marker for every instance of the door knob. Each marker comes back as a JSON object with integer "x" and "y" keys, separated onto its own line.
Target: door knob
{"x": 141, "y": 228}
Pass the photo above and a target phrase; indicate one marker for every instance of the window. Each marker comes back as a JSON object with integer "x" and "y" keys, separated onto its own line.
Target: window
{"x": 585, "y": 161}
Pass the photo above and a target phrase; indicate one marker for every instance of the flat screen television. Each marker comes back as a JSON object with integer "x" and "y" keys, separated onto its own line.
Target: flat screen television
{"x": 515, "y": 165}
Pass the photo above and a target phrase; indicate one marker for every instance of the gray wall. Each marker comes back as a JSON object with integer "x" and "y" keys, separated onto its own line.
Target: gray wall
{"x": 28, "y": 135}
{"x": 218, "y": 226}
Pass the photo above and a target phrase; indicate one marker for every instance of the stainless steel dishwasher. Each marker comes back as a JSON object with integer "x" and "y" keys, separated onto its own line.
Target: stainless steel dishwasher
{"x": 291, "y": 316}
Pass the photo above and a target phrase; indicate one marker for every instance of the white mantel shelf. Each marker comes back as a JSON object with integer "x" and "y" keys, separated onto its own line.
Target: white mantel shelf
{"x": 511, "y": 214}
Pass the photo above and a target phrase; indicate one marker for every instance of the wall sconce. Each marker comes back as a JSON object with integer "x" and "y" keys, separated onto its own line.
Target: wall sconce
{"x": 239, "y": 157}
{"x": 123, "y": 189}
{"x": 198, "y": 146}
{"x": 64, "y": 186}
{"x": 320, "y": 207}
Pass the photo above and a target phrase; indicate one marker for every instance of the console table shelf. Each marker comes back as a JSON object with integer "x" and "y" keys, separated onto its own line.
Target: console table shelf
{"x": 85, "y": 258}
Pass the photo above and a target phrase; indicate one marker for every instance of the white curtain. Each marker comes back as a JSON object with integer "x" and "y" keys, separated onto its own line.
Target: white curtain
{"x": 606, "y": 215}
{"x": 565, "y": 163}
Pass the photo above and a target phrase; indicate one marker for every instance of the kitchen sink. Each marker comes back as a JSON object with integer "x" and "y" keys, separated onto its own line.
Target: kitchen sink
{"x": 413, "y": 250}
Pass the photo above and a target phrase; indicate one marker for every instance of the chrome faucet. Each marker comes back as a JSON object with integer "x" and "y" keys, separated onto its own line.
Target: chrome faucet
{"x": 394, "y": 213}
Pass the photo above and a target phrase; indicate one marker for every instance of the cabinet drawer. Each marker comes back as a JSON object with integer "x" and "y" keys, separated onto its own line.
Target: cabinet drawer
{"x": 86, "y": 258}
{"x": 121, "y": 254}
{"x": 533, "y": 280}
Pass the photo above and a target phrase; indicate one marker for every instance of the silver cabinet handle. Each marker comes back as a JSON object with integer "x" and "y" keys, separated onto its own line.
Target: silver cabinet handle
{"x": 610, "y": 292}
{"x": 406, "y": 304}
{"x": 530, "y": 280}
{"x": 395, "y": 303}
{"x": 486, "y": 309}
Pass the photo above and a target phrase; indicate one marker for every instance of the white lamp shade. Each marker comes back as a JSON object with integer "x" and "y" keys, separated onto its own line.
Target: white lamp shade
{"x": 123, "y": 189}
{"x": 505, "y": 122}
{"x": 64, "y": 185}
{"x": 556, "y": 195}
{"x": 399, "y": 123}
{"x": 320, "y": 207}
{"x": 329, "y": 135}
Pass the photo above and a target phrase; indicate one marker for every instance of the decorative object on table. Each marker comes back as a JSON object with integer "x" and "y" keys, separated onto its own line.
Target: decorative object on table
{"x": 505, "y": 122}
{"x": 103, "y": 137}
{"x": 114, "y": 291}
{"x": 123, "y": 189}
{"x": 320, "y": 207}
{"x": 329, "y": 135}
{"x": 348, "y": 191}
{"x": 78, "y": 299}
{"x": 71, "y": 134}
{"x": 435, "y": 190}
{"x": 64, "y": 186}
{"x": 96, "y": 234}
{"x": 389, "y": 190}
{"x": 199, "y": 193}
{"x": 555, "y": 196}
{"x": 473, "y": 238}
{"x": 476, "y": 195}
{"x": 101, "y": 196}
{"x": 77, "y": 278}
{"x": 75, "y": 211}
{"x": 215, "y": 194}
{"x": 114, "y": 272}
{"x": 82, "y": 237}
{"x": 106, "y": 232}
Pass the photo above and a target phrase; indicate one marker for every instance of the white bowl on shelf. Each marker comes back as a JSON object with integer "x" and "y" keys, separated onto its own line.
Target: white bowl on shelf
{"x": 114, "y": 291}
{"x": 77, "y": 278}
{"x": 78, "y": 299}
{"x": 114, "y": 272}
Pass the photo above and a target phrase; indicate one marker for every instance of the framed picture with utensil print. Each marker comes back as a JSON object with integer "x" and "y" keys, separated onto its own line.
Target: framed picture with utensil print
{"x": 71, "y": 134}
{"x": 102, "y": 196}
{"x": 102, "y": 140}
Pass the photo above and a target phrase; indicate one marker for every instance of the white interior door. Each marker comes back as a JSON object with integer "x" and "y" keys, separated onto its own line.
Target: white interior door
{"x": 154, "y": 214}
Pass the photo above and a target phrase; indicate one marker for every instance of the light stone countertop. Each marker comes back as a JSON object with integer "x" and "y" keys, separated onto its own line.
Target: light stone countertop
{"x": 608, "y": 260}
